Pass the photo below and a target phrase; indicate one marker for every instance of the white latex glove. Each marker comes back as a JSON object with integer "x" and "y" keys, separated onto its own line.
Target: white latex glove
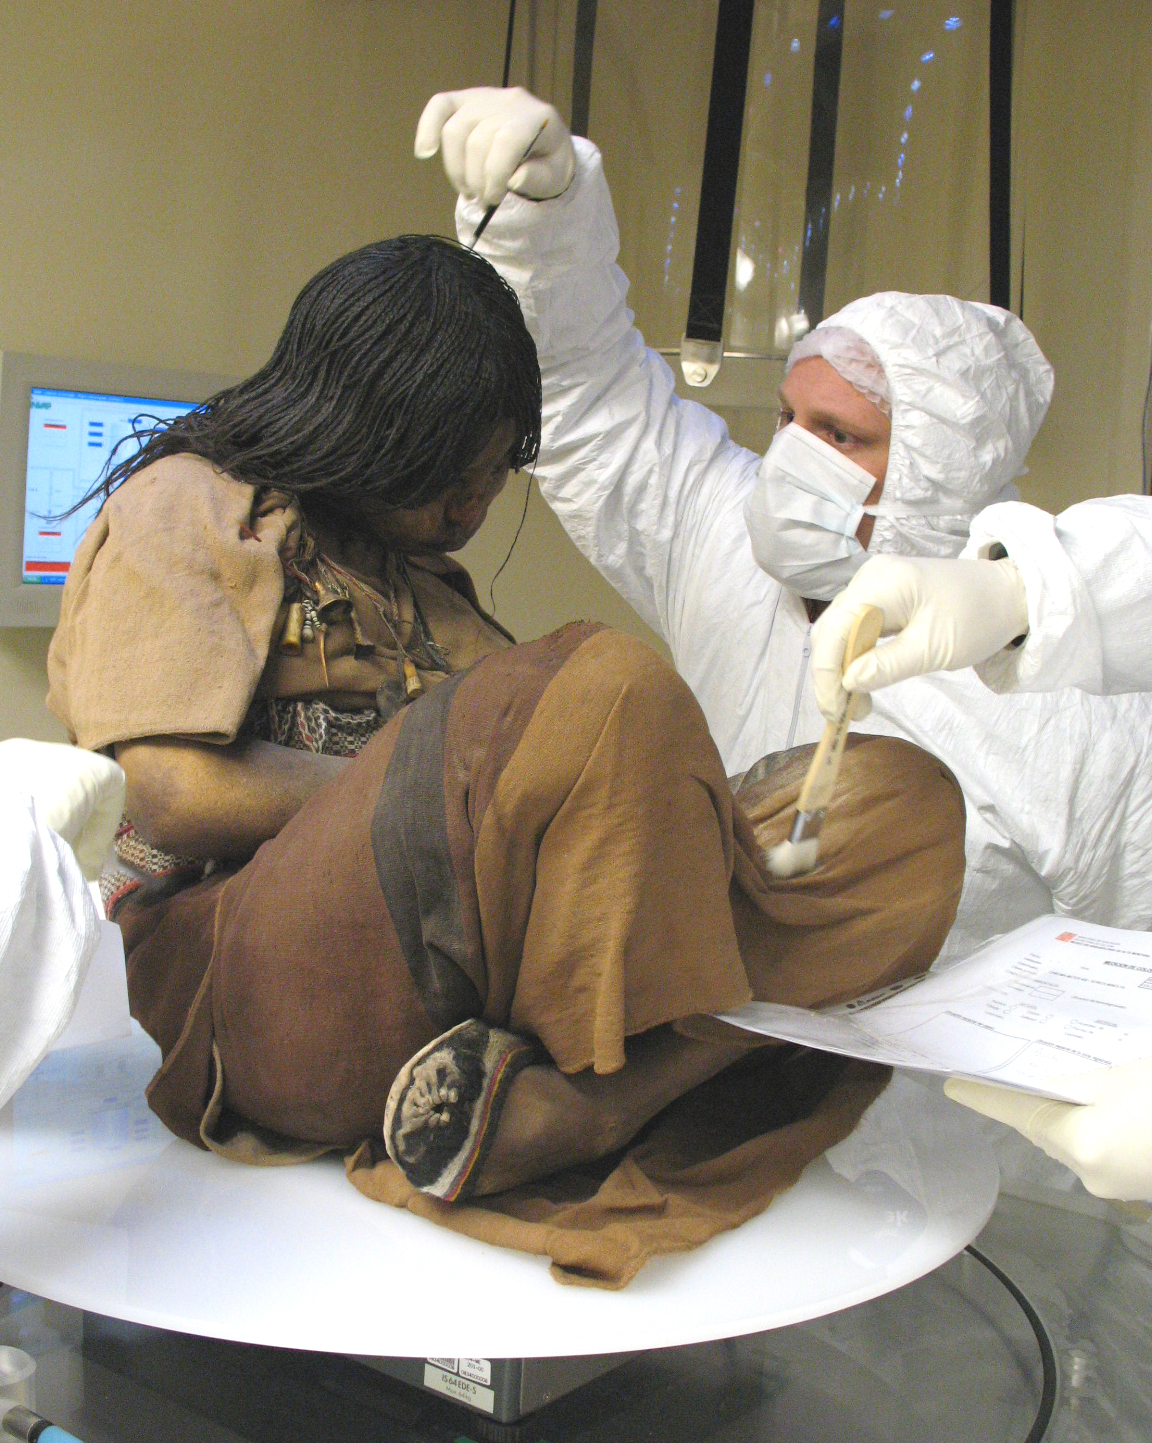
{"x": 495, "y": 141}
{"x": 943, "y": 615}
{"x": 79, "y": 794}
{"x": 49, "y": 931}
{"x": 1107, "y": 1142}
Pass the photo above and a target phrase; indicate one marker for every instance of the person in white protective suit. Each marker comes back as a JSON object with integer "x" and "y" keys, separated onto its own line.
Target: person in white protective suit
{"x": 1036, "y": 602}
{"x": 653, "y": 491}
{"x": 59, "y": 809}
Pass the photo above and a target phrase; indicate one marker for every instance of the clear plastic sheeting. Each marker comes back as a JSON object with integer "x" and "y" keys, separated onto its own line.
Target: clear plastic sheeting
{"x": 909, "y": 201}
{"x": 768, "y": 231}
{"x": 910, "y": 193}
{"x": 883, "y": 1145}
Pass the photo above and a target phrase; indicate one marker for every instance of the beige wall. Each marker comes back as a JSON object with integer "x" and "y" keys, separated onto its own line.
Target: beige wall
{"x": 1085, "y": 150}
{"x": 172, "y": 173}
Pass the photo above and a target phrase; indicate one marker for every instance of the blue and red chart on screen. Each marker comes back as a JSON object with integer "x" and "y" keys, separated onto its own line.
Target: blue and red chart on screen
{"x": 72, "y": 435}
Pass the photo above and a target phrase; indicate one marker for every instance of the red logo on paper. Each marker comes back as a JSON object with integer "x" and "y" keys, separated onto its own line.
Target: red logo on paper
{"x": 1065, "y": 936}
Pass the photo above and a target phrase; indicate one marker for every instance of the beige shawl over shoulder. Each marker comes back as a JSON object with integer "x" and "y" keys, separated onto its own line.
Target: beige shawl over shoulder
{"x": 169, "y": 608}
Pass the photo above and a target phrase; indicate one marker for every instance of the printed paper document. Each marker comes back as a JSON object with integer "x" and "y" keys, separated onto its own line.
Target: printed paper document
{"x": 1032, "y": 1009}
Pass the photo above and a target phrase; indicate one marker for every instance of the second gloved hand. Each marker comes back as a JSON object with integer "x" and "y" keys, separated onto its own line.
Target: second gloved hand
{"x": 942, "y": 614}
{"x": 495, "y": 141}
{"x": 79, "y": 794}
{"x": 1107, "y": 1142}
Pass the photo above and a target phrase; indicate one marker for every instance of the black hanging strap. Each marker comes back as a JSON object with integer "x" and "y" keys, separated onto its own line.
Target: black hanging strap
{"x": 821, "y": 158}
{"x": 1000, "y": 153}
{"x": 721, "y": 168}
{"x": 582, "y": 65}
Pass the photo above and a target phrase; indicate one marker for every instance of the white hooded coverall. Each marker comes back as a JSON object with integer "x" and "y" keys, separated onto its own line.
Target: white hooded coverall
{"x": 652, "y": 491}
{"x": 1088, "y": 577}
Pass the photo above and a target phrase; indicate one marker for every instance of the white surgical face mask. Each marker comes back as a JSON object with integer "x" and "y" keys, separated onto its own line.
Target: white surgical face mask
{"x": 804, "y": 511}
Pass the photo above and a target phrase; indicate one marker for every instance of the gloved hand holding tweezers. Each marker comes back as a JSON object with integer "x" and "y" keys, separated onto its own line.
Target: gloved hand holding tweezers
{"x": 495, "y": 141}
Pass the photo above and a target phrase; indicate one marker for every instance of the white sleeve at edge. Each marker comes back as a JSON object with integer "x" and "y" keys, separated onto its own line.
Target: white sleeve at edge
{"x": 49, "y": 930}
{"x": 1088, "y": 576}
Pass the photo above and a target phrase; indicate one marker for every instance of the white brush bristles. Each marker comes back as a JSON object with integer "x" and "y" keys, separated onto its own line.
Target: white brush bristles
{"x": 791, "y": 859}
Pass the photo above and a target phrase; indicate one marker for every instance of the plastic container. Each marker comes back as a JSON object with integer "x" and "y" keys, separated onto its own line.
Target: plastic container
{"x": 17, "y": 1379}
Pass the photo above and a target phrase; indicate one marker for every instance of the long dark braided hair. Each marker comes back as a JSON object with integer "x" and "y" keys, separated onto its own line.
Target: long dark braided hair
{"x": 396, "y": 364}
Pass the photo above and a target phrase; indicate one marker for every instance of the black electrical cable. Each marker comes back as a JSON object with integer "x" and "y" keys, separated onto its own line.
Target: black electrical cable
{"x": 1145, "y": 472}
{"x": 475, "y": 238}
{"x": 491, "y": 211}
{"x": 1043, "y": 1342}
{"x": 829, "y": 51}
{"x": 1000, "y": 33}
{"x": 508, "y": 43}
{"x": 707, "y": 296}
{"x": 583, "y": 43}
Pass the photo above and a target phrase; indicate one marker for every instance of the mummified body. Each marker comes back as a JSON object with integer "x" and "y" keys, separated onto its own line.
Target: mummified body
{"x": 409, "y": 822}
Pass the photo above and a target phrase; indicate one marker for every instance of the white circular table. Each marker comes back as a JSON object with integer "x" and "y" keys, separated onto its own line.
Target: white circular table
{"x": 102, "y": 1209}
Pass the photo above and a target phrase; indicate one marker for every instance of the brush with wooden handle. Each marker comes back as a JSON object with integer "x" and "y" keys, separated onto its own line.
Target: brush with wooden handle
{"x": 801, "y": 851}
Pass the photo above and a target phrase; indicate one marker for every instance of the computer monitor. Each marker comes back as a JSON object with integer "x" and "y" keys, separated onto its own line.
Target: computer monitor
{"x": 60, "y": 422}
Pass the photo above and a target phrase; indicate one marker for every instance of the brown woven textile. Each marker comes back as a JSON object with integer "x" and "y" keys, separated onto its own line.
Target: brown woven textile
{"x": 547, "y": 841}
{"x": 711, "y": 1161}
{"x": 364, "y": 929}
{"x": 879, "y": 905}
{"x": 312, "y": 726}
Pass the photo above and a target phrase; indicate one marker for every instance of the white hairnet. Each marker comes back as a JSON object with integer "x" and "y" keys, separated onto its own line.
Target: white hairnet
{"x": 968, "y": 387}
{"x": 849, "y": 354}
